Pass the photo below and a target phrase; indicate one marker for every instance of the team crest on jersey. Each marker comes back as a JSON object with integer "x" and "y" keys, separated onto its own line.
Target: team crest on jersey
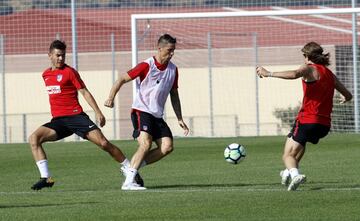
{"x": 59, "y": 77}
{"x": 145, "y": 128}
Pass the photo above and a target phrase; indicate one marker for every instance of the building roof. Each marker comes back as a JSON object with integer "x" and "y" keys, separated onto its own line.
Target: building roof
{"x": 31, "y": 31}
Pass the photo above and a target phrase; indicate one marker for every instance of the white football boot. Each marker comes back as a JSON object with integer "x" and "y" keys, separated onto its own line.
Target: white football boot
{"x": 132, "y": 186}
{"x": 296, "y": 181}
{"x": 138, "y": 178}
{"x": 285, "y": 180}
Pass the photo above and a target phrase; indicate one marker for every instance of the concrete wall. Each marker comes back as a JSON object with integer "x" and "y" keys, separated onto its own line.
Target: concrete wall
{"x": 233, "y": 90}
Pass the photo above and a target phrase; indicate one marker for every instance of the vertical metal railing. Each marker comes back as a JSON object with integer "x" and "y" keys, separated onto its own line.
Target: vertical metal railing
{"x": 113, "y": 69}
{"x": 24, "y": 121}
{"x": 355, "y": 66}
{"x": 211, "y": 105}
{"x": 2, "y": 70}
{"x": 255, "y": 47}
{"x": 74, "y": 34}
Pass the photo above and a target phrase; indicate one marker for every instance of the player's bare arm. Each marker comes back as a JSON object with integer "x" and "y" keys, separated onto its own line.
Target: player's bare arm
{"x": 91, "y": 101}
{"x": 175, "y": 102}
{"x": 304, "y": 71}
{"x": 346, "y": 94}
{"x": 115, "y": 89}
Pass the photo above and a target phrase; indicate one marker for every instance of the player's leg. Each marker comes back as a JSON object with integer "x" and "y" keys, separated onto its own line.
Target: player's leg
{"x": 300, "y": 155}
{"x": 164, "y": 147}
{"x": 36, "y": 139}
{"x": 163, "y": 138}
{"x": 159, "y": 131}
{"x": 285, "y": 174}
{"x": 144, "y": 142}
{"x": 291, "y": 150}
{"x": 143, "y": 124}
{"x": 98, "y": 138}
{"x": 84, "y": 127}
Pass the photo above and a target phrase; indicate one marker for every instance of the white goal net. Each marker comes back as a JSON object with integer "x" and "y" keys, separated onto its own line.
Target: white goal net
{"x": 219, "y": 44}
{"x": 217, "y": 53}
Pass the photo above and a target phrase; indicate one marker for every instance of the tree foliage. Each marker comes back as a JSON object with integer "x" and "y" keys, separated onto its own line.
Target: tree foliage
{"x": 342, "y": 116}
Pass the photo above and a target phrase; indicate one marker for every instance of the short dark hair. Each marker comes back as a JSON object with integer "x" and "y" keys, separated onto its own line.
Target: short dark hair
{"x": 314, "y": 52}
{"x": 57, "y": 44}
{"x": 166, "y": 38}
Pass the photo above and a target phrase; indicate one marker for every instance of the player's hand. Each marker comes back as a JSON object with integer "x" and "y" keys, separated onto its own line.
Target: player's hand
{"x": 100, "y": 119}
{"x": 342, "y": 100}
{"x": 184, "y": 127}
{"x": 262, "y": 72}
{"x": 109, "y": 103}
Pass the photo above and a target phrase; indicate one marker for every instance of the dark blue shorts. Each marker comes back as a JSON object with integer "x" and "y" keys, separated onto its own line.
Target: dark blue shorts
{"x": 312, "y": 133}
{"x": 146, "y": 122}
{"x": 79, "y": 124}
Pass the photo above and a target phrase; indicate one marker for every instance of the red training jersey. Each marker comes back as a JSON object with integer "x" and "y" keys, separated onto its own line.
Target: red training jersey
{"x": 318, "y": 98}
{"x": 62, "y": 85}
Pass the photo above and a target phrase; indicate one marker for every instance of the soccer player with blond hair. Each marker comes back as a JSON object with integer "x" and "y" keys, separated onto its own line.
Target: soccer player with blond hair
{"x": 313, "y": 121}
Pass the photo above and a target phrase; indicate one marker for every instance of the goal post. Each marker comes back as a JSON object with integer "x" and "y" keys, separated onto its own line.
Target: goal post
{"x": 281, "y": 34}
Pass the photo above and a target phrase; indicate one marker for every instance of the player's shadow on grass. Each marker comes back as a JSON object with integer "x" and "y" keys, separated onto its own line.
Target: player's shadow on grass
{"x": 44, "y": 205}
{"x": 334, "y": 187}
{"x": 212, "y": 185}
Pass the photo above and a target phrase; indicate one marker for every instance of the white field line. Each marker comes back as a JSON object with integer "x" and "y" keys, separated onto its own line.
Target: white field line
{"x": 232, "y": 189}
{"x": 300, "y": 22}
{"x": 188, "y": 190}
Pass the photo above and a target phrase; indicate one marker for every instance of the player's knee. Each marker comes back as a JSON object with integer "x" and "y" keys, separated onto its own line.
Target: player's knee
{"x": 292, "y": 153}
{"x": 35, "y": 142}
{"x": 166, "y": 149}
{"x": 105, "y": 145}
{"x": 33, "y": 139}
{"x": 145, "y": 146}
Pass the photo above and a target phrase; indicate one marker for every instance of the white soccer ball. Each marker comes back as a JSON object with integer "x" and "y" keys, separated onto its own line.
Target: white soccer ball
{"x": 234, "y": 153}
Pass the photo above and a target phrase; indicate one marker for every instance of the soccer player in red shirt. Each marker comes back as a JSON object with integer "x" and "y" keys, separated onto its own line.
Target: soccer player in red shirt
{"x": 313, "y": 121}
{"x": 63, "y": 84}
{"x": 156, "y": 78}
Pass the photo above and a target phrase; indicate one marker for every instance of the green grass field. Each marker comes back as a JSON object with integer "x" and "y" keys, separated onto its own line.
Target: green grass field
{"x": 193, "y": 183}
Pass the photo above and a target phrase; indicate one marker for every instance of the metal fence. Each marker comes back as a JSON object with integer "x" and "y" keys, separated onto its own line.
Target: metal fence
{"x": 228, "y": 103}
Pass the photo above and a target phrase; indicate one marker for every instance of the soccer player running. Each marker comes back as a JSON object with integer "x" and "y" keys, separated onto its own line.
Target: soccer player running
{"x": 63, "y": 84}
{"x": 156, "y": 78}
{"x": 313, "y": 121}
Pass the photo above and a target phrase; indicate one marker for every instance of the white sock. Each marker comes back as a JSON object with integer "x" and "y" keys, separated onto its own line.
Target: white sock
{"x": 126, "y": 163}
{"x": 130, "y": 176}
{"x": 43, "y": 168}
{"x": 286, "y": 173}
{"x": 293, "y": 172}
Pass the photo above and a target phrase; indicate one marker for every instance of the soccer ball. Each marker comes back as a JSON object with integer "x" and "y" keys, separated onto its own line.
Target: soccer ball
{"x": 234, "y": 153}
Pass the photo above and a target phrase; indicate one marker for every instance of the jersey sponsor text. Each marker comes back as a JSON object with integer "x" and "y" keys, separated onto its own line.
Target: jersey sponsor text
{"x": 53, "y": 89}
